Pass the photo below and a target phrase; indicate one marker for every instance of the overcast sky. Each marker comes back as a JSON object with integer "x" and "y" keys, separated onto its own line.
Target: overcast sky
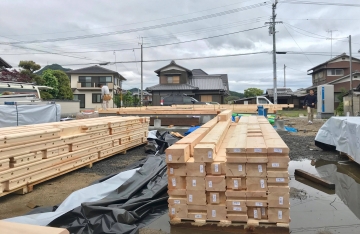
{"x": 50, "y": 19}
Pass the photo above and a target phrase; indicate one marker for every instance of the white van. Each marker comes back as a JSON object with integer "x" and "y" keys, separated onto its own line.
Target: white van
{"x": 20, "y": 92}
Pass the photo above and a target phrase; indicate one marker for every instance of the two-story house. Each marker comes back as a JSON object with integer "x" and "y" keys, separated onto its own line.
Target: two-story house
{"x": 84, "y": 83}
{"x": 175, "y": 79}
{"x": 336, "y": 71}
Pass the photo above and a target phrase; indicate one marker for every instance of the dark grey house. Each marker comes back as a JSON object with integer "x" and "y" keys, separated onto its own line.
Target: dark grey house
{"x": 175, "y": 79}
{"x": 4, "y": 64}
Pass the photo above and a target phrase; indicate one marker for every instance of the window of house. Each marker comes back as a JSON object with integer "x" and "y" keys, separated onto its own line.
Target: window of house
{"x": 81, "y": 98}
{"x": 85, "y": 81}
{"x": 173, "y": 79}
{"x": 105, "y": 79}
{"x": 335, "y": 72}
{"x": 96, "y": 98}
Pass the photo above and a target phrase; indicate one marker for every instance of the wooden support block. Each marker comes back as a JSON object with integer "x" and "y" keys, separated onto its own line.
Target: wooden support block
{"x": 256, "y": 184}
{"x": 177, "y": 211}
{"x": 256, "y": 169}
{"x": 195, "y": 183}
{"x": 4, "y": 164}
{"x": 194, "y": 138}
{"x": 235, "y": 169}
{"x": 236, "y": 183}
{"x": 176, "y": 169}
{"x": 215, "y": 183}
{"x": 178, "y": 153}
{"x": 18, "y": 228}
{"x": 279, "y": 215}
{"x": 204, "y": 153}
{"x": 197, "y": 212}
{"x": 216, "y": 212}
{"x": 177, "y": 200}
{"x": 314, "y": 179}
{"x": 216, "y": 198}
{"x": 196, "y": 197}
{"x": 116, "y": 142}
{"x": 256, "y": 145}
{"x": 225, "y": 115}
{"x": 216, "y": 135}
{"x": 195, "y": 168}
{"x": 281, "y": 162}
{"x": 258, "y": 213}
{"x": 176, "y": 182}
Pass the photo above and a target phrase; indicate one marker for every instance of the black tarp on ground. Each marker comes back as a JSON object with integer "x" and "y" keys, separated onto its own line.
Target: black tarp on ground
{"x": 136, "y": 203}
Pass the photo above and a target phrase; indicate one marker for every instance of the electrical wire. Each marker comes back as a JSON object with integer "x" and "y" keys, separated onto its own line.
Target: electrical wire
{"x": 205, "y": 17}
{"x": 174, "y": 43}
{"x": 320, "y": 3}
{"x": 171, "y": 17}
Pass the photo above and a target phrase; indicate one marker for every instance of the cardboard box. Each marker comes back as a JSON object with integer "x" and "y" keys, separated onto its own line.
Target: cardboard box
{"x": 216, "y": 198}
{"x": 216, "y": 212}
{"x": 235, "y": 169}
{"x": 236, "y": 183}
{"x": 195, "y": 183}
{"x": 215, "y": 183}
{"x": 279, "y": 215}
{"x": 177, "y": 211}
{"x": 256, "y": 169}
{"x": 178, "y": 153}
{"x": 195, "y": 168}
{"x": 176, "y": 182}
{"x": 196, "y": 197}
{"x": 197, "y": 212}
{"x": 176, "y": 169}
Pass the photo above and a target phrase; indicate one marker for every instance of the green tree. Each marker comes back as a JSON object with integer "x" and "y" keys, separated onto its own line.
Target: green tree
{"x": 128, "y": 99}
{"x": 51, "y": 81}
{"x": 28, "y": 68}
{"x": 136, "y": 100}
{"x": 252, "y": 92}
{"x": 65, "y": 92}
{"x": 231, "y": 98}
{"x": 117, "y": 100}
{"x": 340, "y": 97}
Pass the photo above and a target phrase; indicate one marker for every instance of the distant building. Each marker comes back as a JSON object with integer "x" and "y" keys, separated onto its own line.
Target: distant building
{"x": 175, "y": 79}
{"x": 84, "y": 84}
{"x": 336, "y": 71}
{"x": 4, "y": 64}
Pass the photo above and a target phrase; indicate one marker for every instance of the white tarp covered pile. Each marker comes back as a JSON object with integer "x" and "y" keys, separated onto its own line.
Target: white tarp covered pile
{"x": 343, "y": 133}
{"x": 17, "y": 115}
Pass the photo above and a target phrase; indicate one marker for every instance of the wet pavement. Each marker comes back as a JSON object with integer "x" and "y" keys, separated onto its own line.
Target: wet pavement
{"x": 313, "y": 208}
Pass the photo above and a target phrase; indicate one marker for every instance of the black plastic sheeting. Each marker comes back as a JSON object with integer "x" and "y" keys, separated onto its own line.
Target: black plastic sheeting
{"x": 135, "y": 204}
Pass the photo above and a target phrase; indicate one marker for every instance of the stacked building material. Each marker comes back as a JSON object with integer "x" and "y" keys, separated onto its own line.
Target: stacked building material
{"x": 236, "y": 173}
{"x": 32, "y": 153}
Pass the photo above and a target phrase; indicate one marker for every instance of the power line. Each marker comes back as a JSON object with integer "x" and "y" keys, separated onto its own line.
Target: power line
{"x": 214, "y": 15}
{"x": 320, "y": 3}
{"x": 171, "y": 17}
{"x": 174, "y": 43}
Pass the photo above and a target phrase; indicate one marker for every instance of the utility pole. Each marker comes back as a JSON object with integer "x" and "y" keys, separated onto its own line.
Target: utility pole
{"x": 141, "y": 97}
{"x": 272, "y": 30}
{"x": 284, "y": 76}
{"x": 331, "y": 39}
{"x": 351, "y": 79}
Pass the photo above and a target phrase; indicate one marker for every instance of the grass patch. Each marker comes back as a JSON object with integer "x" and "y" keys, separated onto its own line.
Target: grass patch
{"x": 292, "y": 113}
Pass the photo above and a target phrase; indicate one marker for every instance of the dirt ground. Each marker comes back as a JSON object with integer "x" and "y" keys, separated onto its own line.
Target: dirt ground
{"x": 303, "y": 127}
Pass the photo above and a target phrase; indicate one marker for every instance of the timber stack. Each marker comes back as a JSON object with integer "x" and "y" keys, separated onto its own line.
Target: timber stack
{"x": 229, "y": 172}
{"x": 33, "y": 153}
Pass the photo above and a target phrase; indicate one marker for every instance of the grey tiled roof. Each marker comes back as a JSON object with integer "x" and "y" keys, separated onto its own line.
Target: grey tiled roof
{"x": 196, "y": 72}
{"x": 208, "y": 83}
{"x": 95, "y": 70}
{"x": 3, "y": 63}
{"x": 160, "y": 87}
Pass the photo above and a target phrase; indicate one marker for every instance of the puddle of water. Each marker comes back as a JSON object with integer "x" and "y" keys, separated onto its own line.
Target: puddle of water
{"x": 314, "y": 208}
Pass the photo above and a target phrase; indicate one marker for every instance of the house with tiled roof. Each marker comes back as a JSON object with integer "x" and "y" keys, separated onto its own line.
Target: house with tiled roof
{"x": 196, "y": 83}
{"x": 84, "y": 84}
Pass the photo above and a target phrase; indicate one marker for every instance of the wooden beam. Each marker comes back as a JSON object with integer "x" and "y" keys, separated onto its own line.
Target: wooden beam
{"x": 314, "y": 178}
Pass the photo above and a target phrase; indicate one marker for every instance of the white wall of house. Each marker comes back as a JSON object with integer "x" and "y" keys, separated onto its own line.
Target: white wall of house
{"x": 89, "y": 93}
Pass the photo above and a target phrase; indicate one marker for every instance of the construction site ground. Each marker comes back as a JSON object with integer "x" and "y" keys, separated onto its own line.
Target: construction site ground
{"x": 303, "y": 152}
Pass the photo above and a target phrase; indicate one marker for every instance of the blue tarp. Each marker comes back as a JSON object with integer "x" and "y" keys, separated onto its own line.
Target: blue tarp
{"x": 191, "y": 130}
{"x": 289, "y": 129}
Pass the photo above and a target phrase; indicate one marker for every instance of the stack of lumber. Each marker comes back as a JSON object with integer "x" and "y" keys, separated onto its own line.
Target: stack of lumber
{"x": 18, "y": 228}
{"x": 230, "y": 172}
{"x": 33, "y": 153}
